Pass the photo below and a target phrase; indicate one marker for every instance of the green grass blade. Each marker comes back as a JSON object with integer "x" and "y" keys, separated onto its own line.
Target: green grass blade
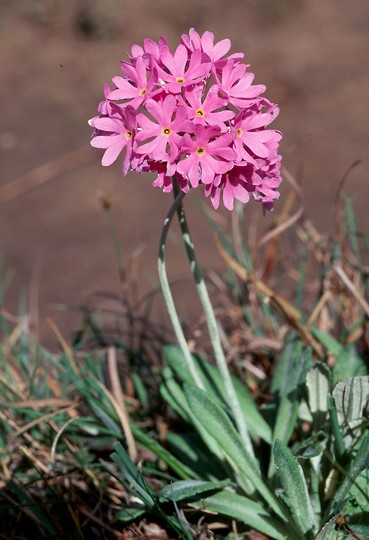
{"x": 131, "y": 475}
{"x": 34, "y": 508}
{"x": 162, "y": 453}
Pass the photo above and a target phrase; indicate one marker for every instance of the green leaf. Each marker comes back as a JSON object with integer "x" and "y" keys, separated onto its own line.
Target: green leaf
{"x": 33, "y": 508}
{"x": 140, "y": 388}
{"x": 131, "y": 476}
{"x": 351, "y": 400}
{"x": 251, "y": 513}
{"x": 361, "y": 530}
{"x": 295, "y": 370}
{"x": 338, "y": 441}
{"x": 213, "y": 383}
{"x": 186, "y": 489}
{"x": 357, "y": 465}
{"x": 295, "y": 488}
{"x": 162, "y": 453}
{"x": 282, "y": 374}
{"x": 360, "y": 492}
{"x": 318, "y": 385}
{"x": 349, "y": 363}
{"x": 312, "y": 451}
{"x": 190, "y": 449}
{"x": 173, "y": 393}
{"x": 351, "y": 397}
{"x": 286, "y": 417}
{"x": 329, "y": 342}
{"x": 329, "y": 531}
{"x": 130, "y": 513}
{"x": 217, "y": 424}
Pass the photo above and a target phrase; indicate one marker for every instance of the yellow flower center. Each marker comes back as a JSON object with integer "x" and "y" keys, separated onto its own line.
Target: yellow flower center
{"x": 239, "y": 132}
{"x": 200, "y": 151}
{"x": 200, "y": 113}
{"x": 129, "y": 134}
{"x": 166, "y": 131}
{"x": 143, "y": 92}
{"x": 180, "y": 80}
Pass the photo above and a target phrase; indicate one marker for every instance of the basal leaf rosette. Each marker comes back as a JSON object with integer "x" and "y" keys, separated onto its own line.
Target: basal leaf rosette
{"x": 193, "y": 114}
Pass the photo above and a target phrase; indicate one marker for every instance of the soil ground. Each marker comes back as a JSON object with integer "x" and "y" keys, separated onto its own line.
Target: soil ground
{"x": 55, "y": 58}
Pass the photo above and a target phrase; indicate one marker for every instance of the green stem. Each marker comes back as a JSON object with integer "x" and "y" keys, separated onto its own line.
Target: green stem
{"x": 168, "y": 297}
{"x": 212, "y": 324}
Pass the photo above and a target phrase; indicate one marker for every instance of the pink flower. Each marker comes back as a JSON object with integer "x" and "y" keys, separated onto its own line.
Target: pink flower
{"x": 171, "y": 123}
{"x": 235, "y": 85}
{"x": 205, "y": 43}
{"x": 194, "y": 114}
{"x": 150, "y": 49}
{"x": 177, "y": 72}
{"x": 164, "y": 179}
{"x": 115, "y": 133}
{"x": 250, "y": 138}
{"x": 208, "y": 109}
{"x": 137, "y": 86}
{"x": 206, "y": 155}
{"x": 235, "y": 184}
{"x": 266, "y": 180}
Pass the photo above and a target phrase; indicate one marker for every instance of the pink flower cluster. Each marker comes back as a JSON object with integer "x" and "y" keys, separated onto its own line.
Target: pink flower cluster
{"x": 195, "y": 115}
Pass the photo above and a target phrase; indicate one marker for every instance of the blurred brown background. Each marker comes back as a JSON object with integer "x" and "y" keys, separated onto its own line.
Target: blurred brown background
{"x": 56, "y": 56}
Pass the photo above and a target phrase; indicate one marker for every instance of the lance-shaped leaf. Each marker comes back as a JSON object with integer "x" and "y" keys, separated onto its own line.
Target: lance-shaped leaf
{"x": 351, "y": 399}
{"x": 217, "y": 424}
{"x": 251, "y": 513}
{"x": 188, "y": 489}
{"x": 357, "y": 465}
{"x": 213, "y": 383}
{"x": 318, "y": 383}
{"x": 295, "y": 489}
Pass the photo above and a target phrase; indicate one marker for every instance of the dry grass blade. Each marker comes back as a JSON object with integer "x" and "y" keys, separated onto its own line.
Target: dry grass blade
{"x": 338, "y": 203}
{"x": 119, "y": 399}
{"x": 351, "y": 287}
{"x": 288, "y": 310}
{"x": 58, "y": 435}
{"x": 119, "y": 409}
{"x": 288, "y": 222}
{"x": 326, "y": 296}
{"x": 33, "y": 459}
{"x": 38, "y": 403}
{"x": 66, "y": 347}
{"x": 40, "y": 420}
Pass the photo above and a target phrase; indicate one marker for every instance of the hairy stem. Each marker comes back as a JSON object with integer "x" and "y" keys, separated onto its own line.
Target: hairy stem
{"x": 212, "y": 324}
{"x": 168, "y": 297}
